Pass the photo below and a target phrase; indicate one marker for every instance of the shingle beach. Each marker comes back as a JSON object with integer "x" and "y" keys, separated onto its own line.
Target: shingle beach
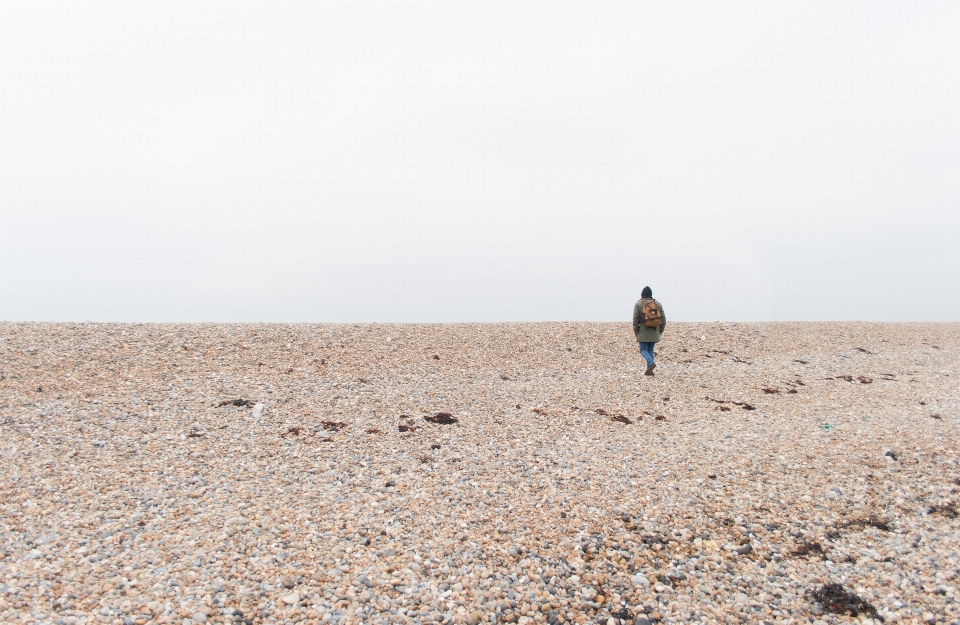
{"x": 527, "y": 473}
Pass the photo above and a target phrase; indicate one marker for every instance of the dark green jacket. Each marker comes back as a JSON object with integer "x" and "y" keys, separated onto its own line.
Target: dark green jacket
{"x": 643, "y": 333}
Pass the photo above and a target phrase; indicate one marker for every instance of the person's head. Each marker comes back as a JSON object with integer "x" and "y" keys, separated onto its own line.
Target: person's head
{"x": 646, "y": 293}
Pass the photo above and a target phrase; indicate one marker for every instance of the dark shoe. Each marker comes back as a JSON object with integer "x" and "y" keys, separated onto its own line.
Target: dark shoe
{"x": 649, "y": 370}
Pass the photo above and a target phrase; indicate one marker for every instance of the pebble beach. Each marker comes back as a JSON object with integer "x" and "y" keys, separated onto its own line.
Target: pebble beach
{"x": 479, "y": 473}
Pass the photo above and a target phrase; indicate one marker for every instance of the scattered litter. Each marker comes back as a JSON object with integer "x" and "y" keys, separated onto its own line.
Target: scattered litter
{"x": 891, "y": 454}
{"x": 826, "y": 426}
{"x": 833, "y": 598}
{"x": 441, "y": 418}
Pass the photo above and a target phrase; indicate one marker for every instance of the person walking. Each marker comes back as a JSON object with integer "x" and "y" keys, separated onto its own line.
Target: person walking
{"x": 649, "y": 322}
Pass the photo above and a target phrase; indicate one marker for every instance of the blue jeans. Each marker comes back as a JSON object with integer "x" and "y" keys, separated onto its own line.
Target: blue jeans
{"x": 646, "y": 350}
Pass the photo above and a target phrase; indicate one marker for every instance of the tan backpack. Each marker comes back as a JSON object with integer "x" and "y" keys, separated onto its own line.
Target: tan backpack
{"x": 651, "y": 314}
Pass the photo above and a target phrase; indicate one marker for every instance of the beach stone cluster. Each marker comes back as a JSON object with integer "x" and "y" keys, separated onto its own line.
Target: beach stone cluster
{"x": 478, "y": 473}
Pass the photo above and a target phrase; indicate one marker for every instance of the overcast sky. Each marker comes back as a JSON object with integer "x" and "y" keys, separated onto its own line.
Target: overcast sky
{"x": 479, "y": 161}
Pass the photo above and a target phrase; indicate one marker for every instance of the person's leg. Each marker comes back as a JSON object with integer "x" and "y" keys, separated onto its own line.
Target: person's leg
{"x": 646, "y": 350}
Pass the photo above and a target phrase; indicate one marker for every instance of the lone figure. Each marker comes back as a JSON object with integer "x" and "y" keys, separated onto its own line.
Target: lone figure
{"x": 649, "y": 323}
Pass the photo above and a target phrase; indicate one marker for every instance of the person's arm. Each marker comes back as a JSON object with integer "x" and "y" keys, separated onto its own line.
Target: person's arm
{"x": 663, "y": 315}
{"x": 637, "y": 319}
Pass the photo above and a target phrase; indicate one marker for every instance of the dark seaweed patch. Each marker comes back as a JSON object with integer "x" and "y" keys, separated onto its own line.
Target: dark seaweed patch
{"x": 864, "y": 522}
{"x": 948, "y": 510}
{"x": 236, "y": 402}
{"x": 809, "y": 548}
{"x": 441, "y": 418}
{"x": 833, "y": 598}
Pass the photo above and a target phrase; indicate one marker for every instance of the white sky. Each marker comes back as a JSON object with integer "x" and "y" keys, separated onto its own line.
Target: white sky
{"x": 479, "y": 161}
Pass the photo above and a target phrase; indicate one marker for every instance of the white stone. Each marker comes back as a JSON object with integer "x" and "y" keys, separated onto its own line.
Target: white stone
{"x": 640, "y": 580}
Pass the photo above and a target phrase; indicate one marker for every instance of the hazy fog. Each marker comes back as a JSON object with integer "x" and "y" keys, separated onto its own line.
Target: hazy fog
{"x": 479, "y": 161}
